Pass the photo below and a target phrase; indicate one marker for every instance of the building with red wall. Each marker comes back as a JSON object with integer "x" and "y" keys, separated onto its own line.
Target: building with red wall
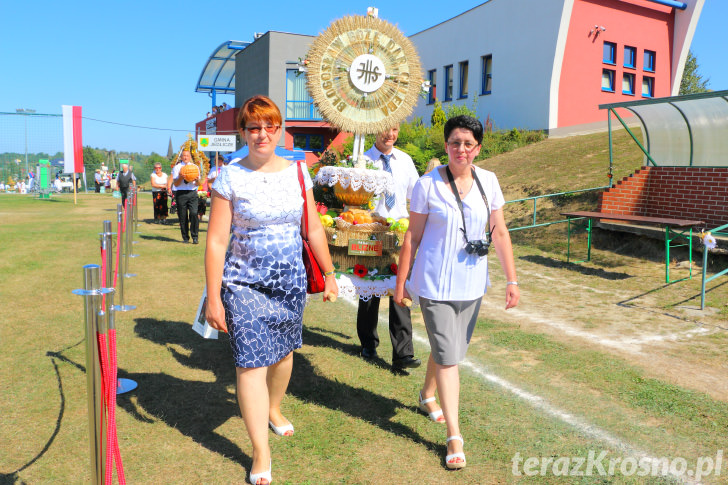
{"x": 536, "y": 64}
{"x": 628, "y": 45}
{"x": 549, "y": 64}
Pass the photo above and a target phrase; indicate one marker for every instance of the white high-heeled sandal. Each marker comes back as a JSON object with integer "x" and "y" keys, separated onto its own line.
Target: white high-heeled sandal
{"x": 266, "y": 475}
{"x": 281, "y": 430}
{"x": 434, "y": 415}
{"x": 455, "y": 465}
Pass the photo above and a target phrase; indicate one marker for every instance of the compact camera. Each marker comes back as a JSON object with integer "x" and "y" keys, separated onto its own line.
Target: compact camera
{"x": 479, "y": 247}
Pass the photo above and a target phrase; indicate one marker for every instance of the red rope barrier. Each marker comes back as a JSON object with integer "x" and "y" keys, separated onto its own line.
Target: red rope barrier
{"x": 113, "y": 440}
{"x": 109, "y": 382}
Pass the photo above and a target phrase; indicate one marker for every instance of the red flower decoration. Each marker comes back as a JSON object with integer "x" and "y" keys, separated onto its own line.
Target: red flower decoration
{"x": 360, "y": 270}
{"x": 393, "y": 268}
{"x": 321, "y": 208}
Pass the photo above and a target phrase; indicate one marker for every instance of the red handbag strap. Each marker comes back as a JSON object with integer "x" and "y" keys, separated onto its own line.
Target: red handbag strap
{"x": 305, "y": 203}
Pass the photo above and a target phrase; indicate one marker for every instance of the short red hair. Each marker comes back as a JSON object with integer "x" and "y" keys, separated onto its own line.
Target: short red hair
{"x": 259, "y": 108}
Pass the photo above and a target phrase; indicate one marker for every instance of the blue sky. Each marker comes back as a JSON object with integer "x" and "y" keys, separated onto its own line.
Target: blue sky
{"x": 137, "y": 63}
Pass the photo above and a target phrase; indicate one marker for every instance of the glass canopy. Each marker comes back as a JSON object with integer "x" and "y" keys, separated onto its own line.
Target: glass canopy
{"x": 218, "y": 75}
{"x": 689, "y": 130}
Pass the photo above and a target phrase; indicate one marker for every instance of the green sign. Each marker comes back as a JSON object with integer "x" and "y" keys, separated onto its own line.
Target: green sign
{"x": 44, "y": 178}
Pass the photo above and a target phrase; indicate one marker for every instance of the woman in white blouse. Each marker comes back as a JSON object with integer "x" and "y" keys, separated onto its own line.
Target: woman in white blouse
{"x": 158, "y": 181}
{"x": 455, "y": 212}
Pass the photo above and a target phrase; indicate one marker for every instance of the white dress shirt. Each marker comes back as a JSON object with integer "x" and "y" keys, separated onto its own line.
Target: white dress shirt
{"x": 405, "y": 176}
{"x": 443, "y": 270}
{"x": 185, "y": 185}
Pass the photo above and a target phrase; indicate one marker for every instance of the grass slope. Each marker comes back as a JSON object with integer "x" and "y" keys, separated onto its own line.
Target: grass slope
{"x": 355, "y": 422}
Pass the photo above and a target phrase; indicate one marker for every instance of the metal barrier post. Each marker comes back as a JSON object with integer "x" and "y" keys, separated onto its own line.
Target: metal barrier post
{"x": 136, "y": 212}
{"x": 107, "y": 244}
{"x": 123, "y": 260}
{"x": 92, "y": 293}
{"x": 129, "y": 253}
{"x": 122, "y": 384}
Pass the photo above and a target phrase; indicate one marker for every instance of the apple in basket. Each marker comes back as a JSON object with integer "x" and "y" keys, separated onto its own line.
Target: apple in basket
{"x": 327, "y": 220}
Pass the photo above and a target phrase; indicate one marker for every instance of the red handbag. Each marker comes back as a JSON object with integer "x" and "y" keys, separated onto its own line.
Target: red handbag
{"x": 315, "y": 281}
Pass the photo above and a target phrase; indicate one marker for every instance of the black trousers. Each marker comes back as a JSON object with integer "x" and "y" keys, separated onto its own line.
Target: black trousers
{"x": 187, "y": 210}
{"x": 400, "y": 327}
{"x": 124, "y": 191}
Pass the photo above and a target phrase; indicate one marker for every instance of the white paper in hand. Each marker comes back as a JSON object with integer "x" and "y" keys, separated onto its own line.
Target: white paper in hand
{"x": 201, "y": 326}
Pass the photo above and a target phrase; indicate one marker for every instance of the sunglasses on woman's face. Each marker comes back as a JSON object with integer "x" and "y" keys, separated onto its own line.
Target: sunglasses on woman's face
{"x": 254, "y": 130}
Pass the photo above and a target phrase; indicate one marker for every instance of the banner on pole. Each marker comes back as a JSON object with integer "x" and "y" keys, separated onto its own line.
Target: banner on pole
{"x": 72, "y": 142}
{"x": 216, "y": 143}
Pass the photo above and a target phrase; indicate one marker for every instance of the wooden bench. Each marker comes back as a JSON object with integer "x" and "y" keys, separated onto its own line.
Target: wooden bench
{"x": 671, "y": 234}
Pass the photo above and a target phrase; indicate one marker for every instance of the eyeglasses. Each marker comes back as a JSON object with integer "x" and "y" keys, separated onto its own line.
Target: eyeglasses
{"x": 254, "y": 130}
{"x": 467, "y": 145}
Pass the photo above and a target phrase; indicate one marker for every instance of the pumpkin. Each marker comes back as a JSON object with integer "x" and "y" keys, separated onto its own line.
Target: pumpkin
{"x": 190, "y": 172}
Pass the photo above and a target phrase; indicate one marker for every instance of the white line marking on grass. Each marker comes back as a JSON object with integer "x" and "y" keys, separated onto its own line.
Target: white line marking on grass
{"x": 538, "y": 276}
{"x": 629, "y": 344}
{"x": 540, "y": 403}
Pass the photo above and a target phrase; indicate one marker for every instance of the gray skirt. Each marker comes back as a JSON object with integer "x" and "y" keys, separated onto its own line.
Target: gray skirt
{"x": 450, "y": 326}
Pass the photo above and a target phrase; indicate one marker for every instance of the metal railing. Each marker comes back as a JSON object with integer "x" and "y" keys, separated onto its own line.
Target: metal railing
{"x": 706, "y": 279}
{"x": 535, "y": 200}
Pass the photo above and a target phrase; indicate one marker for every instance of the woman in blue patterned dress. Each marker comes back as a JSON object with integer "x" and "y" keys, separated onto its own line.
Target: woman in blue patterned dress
{"x": 256, "y": 281}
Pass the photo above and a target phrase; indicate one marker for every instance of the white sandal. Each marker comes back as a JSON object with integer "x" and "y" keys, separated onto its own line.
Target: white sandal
{"x": 266, "y": 475}
{"x": 434, "y": 415}
{"x": 281, "y": 430}
{"x": 455, "y": 465}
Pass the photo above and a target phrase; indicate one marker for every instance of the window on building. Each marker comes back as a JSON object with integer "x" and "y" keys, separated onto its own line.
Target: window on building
{"x": 608, "y": 80}
{"x": 630, "y": 56}
{"x": 487, "y": 74}
{"x": 648, "y": 87}
{"x": 610, "y": 53}
{"x": 308, "y": 142}
{"x": 649, "y": 61}
{"x": 299, "y": 105}
{"x": 463, "y": 91}
{"x": 628, "y": 83}
{"x": 432, "y": 77}
{"x": 448, "y": 83}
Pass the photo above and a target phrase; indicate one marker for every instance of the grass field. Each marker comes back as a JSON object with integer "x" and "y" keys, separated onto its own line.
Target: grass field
{"x": 600, "y": 359}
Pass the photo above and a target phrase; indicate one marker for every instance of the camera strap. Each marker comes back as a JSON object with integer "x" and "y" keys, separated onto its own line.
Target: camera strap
{"x": 460, "y": 202}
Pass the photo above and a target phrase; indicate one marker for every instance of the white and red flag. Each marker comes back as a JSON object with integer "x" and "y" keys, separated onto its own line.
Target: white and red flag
{"x": 72, "y": 145}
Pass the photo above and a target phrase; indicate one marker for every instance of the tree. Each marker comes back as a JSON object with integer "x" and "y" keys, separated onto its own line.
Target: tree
{"x": 692, "y": 82}
{"x": 438, "y": 115}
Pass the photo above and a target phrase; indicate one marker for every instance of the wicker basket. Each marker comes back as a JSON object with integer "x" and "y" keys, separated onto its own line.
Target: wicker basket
{"x": 338, "y": 237}
{"x": 349, "y": 196}
{"x": 340, "y": 256}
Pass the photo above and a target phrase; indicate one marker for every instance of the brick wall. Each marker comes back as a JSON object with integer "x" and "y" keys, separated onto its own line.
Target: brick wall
{"x": 680, "y": 192}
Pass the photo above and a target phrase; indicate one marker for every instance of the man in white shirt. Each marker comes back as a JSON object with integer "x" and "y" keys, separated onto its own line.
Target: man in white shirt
{"x": 97, "y": 180}
{"x": 400, "y": 165}
{"x": 185, "y": 194}
{"x": 125, "y": 179}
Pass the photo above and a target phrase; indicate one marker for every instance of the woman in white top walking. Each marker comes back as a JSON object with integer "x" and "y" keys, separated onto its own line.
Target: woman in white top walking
{"x": 159, "y": 194}
{"x": 455, "y": 212}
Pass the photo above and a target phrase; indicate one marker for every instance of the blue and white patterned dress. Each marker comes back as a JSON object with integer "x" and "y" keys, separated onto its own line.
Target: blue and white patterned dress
{"x": 264, "y": 280}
